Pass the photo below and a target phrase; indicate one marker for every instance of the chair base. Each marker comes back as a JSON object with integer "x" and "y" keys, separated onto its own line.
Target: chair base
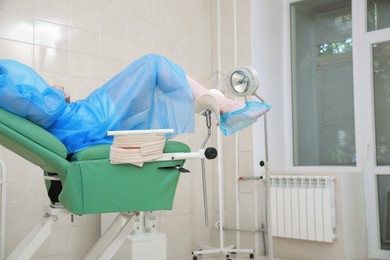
{"x": 138, "y": 247}
{"x": 105, "y": 248}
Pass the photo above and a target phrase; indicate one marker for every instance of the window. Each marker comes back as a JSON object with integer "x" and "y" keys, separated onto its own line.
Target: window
{"x": 384, "y": 210}
{"x": 378, "y": 14}
{"x": 381, "y": 78}
{"x": 322, "y": 85}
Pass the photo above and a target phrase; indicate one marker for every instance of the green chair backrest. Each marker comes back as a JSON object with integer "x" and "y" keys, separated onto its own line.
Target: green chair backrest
{"x": 32, "y": 142}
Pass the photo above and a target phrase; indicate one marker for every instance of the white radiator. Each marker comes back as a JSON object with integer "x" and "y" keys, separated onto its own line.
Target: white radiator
{"x": 303, "y": 207}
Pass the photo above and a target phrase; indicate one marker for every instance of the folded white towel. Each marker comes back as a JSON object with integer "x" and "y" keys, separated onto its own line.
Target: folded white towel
{"x": 136, "y": 149}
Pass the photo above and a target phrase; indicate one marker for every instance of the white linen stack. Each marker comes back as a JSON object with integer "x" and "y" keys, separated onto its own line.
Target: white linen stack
{"x": 136, "y": 149}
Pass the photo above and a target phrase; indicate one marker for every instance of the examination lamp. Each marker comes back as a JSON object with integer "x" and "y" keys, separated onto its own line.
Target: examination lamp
{"x": 243, "y": 81}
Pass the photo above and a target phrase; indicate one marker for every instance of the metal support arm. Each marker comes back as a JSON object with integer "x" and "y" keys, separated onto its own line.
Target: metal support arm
{"x": 113, "y": 238}
{"x": 35, "y": 238}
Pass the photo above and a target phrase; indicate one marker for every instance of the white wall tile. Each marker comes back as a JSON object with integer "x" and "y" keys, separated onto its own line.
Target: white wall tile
{"x": 118, "y": 7}
{"x": 22, "y": 217}
{"x": 136, "y": 49}
{"x": 81, "y": 87}
{"x": 162, "y": 15}
{"x": 51, "y": 34}
{"x": 73, "y": 238}
{"x": 143, "y": 31}
{"x": 16, "y": 27}
{"x": 84, "y": 65}
{"x": 110, "y": 67}
{"x": 182, "y": 204}
{"x": 56, "y": 11}
{"x": 140, "y": 10}
{"x": 168, "y": 38}
{"x": 113, "y": 24}
{"x": 21, "y": 169}
{"x": 84, "y": 41}
{"x": 113, "y": 47}
{"x": 25, "y": 7}
{"x": 84, "y": 16}
{"x": 21, "y": 52}
{"x": 51, "y": 60}
{"x": 23, "y": 188}
{"x": 67, "y": 256}
{"x": 180, "y": 245}
{"x": 247, "y": 211}
{"x": 90, "y": 3}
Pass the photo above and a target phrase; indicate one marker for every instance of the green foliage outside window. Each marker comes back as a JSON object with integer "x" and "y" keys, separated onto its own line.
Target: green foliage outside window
{"x": 335, "y": 47}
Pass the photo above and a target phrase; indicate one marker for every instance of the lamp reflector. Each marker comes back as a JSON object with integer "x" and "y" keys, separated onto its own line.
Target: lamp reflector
{"x": 243, "y": 81}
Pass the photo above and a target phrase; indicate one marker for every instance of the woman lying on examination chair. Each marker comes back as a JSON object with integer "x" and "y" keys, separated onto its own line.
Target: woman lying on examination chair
{"x": 151, "y": 93}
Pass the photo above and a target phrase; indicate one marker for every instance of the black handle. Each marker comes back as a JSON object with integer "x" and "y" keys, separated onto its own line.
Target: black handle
{"x": 211, "y": 153}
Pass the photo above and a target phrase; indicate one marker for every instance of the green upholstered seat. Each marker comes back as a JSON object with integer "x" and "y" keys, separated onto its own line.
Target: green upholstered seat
{"x": 90, "y": 183}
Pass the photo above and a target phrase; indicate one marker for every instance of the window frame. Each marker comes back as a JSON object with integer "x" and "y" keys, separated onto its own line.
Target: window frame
{"x": 289, "y": 131}
{"x": 372, "y": 169}
{"x": 364, "y": 118}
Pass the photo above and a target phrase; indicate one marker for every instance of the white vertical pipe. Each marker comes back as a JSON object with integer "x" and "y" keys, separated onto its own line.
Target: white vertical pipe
{"x": 219, "y": 49}
{"x": 268, "y": 192}
{"x": 235, "y": 32}
{"x": 220, "y": 189}
{"x": 3, "y": 183}
{"x": 237, "y": 147}
{"x": 219, "y": 139}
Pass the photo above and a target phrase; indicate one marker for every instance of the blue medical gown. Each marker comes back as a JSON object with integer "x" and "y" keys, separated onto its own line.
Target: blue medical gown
{"x": 151, "y": 93}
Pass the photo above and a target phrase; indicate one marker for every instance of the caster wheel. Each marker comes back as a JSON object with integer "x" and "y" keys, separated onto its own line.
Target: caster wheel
{"x": 195, "y": 258}
{"x": 251, "y": 256}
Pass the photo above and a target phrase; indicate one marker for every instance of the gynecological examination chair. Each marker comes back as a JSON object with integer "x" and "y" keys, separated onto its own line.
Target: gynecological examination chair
{"x": 87, "y": 182}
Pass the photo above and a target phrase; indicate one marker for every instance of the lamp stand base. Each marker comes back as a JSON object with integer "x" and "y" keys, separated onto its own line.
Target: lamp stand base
{"x": 227, "y": 251}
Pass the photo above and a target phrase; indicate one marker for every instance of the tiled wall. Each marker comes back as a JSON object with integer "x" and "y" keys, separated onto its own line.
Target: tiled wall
{"x": 81, "y": 44}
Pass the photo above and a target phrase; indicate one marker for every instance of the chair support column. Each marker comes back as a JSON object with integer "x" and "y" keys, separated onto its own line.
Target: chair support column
{"x": 113, "y": 238}
{"x": 35, "y": 238}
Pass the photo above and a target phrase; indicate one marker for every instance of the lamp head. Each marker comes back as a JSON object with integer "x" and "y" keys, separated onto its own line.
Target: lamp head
{"x": 243, "y": 81}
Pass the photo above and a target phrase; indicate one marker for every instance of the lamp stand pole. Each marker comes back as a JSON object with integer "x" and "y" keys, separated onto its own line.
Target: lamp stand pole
{"x": 268, "y": 191}
{"x": 222, "y": 249}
